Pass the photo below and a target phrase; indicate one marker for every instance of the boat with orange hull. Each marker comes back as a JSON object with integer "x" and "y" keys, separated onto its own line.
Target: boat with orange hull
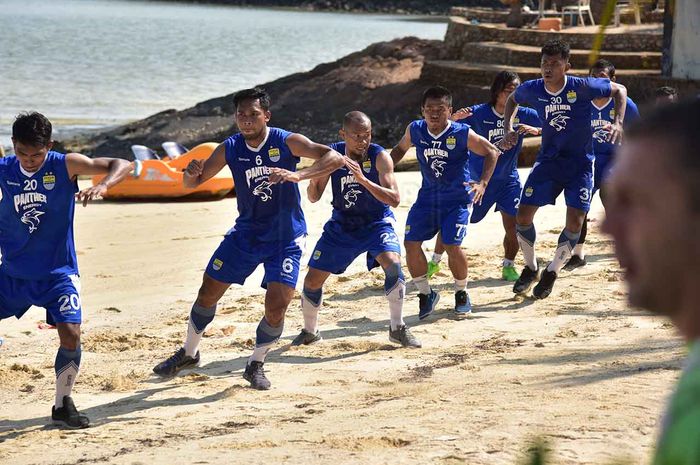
{"x": 162, "y": 179}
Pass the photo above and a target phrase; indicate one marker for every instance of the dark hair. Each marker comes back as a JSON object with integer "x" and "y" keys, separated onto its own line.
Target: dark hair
{"x": 255, "y": 93}
{"x": 606, "y": 65}
{"x": 556, "y": 47}
{"x": 436, "y": 92}
{"x": 353, "y": 117}
{"x": 500, "y": 82}
{"x": 32, "y": 129}
{"x": 681, "y": 128}
{"x": 665, "y": 91}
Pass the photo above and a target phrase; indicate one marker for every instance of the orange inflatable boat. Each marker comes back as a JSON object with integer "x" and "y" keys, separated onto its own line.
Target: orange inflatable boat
{"x": 162, "y": 179}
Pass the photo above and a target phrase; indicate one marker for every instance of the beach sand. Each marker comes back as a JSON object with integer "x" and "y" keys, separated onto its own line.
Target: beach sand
{"x": 579, "y": 368}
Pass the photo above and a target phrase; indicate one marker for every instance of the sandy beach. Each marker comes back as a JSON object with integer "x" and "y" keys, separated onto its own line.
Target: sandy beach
{"x": 579, "y": 368}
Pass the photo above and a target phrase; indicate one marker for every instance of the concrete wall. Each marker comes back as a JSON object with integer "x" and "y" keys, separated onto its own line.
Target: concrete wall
{"x": 685, "y": 48}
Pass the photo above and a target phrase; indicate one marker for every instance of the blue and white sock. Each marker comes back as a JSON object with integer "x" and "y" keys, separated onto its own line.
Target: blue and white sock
{"x": 526, "y": 239}
{"x": 265, "y": 337}
{"x": 395, "y": 289}
{"x": 200, "y": 317}
{"x": 67, "y": 366}
{"x": 565, "y": 245}
{"x": 311, "y": 301}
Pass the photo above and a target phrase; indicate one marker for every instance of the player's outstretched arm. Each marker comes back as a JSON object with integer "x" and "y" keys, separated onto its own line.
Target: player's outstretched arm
{"x": 511, "y": 137}
{"x": 387, "y": 191}
{"x": 402, "y": 147}
{"x": 482, "y": 147}
{"x": 327, "y": 160}
{"x": 116, "y": 169}
{"x": 316, "y": 188}
{"x": 619, "y": 94}
{"x": 199, "y": 171}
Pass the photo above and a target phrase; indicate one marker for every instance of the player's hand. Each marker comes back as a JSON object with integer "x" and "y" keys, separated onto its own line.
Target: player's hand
{"x": 355, "y": 169}
{"x": 462, "y": 113}
{"x": 195, "y": 168}
{"x": 478, "y": 189}
{"x": 526, "y": 130}
{"x": 91, "y": 193}
{"x": 280, "y": 175}
{"x": 509, "y": 140}
{"x": 616, "y": 132}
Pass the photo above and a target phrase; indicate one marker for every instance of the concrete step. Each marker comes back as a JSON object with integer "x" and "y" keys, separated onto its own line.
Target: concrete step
{"x": 461, "y": 34}
{"x": 529, "y": 55}
{"x": 499, "y": 15}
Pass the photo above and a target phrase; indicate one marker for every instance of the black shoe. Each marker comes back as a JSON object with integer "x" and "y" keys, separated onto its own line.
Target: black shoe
{"x": 524, "y": 282}
{"x": 403, "y": 336}
{"x": 176, "y": 362}
{"x": 68, "y": 415}
{"x": 255, "y": 374}
{"x": 427, "y": 304}
{"x": 307, "y": 338}
{"x": 544, "y": 287}
{"x": 574, "y": 262}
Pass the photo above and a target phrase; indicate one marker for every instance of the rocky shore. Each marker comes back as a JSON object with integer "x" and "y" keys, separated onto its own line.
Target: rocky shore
{"x": 383, "y": 80}
{"x": 434, "y": 7}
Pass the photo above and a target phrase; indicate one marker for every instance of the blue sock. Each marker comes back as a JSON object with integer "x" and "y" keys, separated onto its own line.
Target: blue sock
{"x": 392, "y": 274}
{"x": 265, "y": 336}
{"x": 314, "y": 295}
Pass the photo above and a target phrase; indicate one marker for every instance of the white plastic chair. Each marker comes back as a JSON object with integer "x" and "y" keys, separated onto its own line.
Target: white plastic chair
{"x": 626, "y": 5}
{"x": 578, "y": 10}
{"x": 173, "y": 149}
{"x": 141, "y": 152}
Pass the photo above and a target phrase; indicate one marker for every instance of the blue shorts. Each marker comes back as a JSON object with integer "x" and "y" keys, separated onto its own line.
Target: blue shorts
{"x": 425, "y": 219}
{"x": 59, "y": 295}
{"x": 240, "y": 253}
{"x": 504, "y": 193}
{"x": 603, "y": 167}
{"x": 549, "y": 177}
{"x": 337, "y": 247}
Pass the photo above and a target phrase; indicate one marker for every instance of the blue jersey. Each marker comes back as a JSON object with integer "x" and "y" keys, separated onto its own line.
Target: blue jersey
{"x": 486, "y": 122}
{"x": 270, "y": 212}
{"x": 353, "y": 205}
{"x": 603, "y": 116}
{"x": 36, "y": 219}
{"x": 565, "y": 115}
{"x": 443, "y": 161}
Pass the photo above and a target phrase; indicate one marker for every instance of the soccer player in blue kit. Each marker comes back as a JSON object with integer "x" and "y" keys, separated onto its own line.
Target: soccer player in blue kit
{"x": 445, "y": 198}
{"x": 270, "y": 228}
{"x": 361, "y": 222}
{"x": 565, "y": 160}
{"x": 39, "y": 265}
{"x": 602, "y": 117}
{"x": 504, "y": 190}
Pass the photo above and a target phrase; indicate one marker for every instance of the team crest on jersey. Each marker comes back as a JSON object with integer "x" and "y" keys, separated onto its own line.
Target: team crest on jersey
{"x": 350, "y": 197}
{"x": 263, "y": 190}
{"x": 451, "y": 142}
{"x": 31, "y": 219}
{"x": 274, "y": 154}
{"x": 217, "y": 264}
{"x": 367, "y": 166}
{"x": 317, "y": 254}
{"x": 612, "y": 113}
{"x": 49, "y": 181}
{"x": 571, "y": 96}
{"x": 529, "y": 191}
{"x": 516, "y": 120}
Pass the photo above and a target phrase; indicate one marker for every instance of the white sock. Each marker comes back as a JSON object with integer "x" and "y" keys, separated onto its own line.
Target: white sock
{"x": 460, "y": 285}
{"x": 564, "y": 249}
{"x": 192, "y": 339}
{"x": 578, "y": 251}
{"x": 526, "y": 241}
{"x": 200, "y": 317}
{"x": 310, "y": 312}
{"x": 422, "y": 284}
{"x": 395, "y": 298}
{"x": 507, "y": 262}
{"x": 260, "y": 352}
{"x": 436, "y": 257}
{"x": 67, "y": 366}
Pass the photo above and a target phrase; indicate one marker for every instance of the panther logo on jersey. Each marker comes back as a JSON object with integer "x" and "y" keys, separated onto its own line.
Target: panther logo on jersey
{"x": 263, "y": 190}
{"x": 559, "y": 122}
{"x": 351, "y": 197}
{"x": 31, "y": 219}
{"x": 601, "y": 135}
{"x": 438, "y": 166}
